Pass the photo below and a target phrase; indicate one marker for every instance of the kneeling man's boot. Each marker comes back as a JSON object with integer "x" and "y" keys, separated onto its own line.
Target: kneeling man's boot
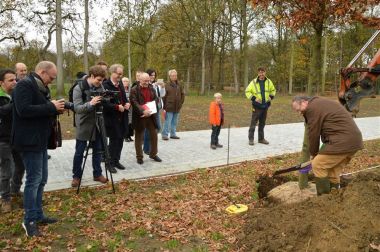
{"x": 335, "y": 186}
{"x": 322, "y": 185}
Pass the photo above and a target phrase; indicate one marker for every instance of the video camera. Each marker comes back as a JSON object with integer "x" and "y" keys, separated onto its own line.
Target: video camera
{"x": 106, "y": 95}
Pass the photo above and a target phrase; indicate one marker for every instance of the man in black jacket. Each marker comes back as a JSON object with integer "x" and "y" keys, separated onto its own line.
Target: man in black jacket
{"x": 32, "y": 113}
{"x": 114, "y": 114}
{"x": 7, "y": 84}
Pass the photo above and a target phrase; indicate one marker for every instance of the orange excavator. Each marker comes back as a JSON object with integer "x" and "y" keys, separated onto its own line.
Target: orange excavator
{"x": 350, "y": 93}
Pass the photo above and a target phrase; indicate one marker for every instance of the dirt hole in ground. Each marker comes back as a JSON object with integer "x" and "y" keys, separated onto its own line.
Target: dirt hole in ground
{"x": 348, "y": 219}
{"x": 266, "y": 183}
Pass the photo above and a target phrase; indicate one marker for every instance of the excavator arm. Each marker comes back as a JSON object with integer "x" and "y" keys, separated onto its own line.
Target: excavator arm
{"x": 350, "y": 93}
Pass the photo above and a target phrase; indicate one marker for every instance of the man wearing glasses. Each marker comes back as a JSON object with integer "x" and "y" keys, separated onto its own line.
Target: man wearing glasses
{"x": 32, "y": 113}
{"x": 116, "y": 114}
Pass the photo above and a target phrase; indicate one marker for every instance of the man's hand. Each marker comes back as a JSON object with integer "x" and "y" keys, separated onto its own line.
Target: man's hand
{"x": 146, "y": 113}
{"x": 127, "y": 106}
{"x": 59, "y": 105}
{"x": 269, "y": 99}
{"x": 121, "y": 108}
{"x": 95, "y": 100}
{"x": 258, "y": 100}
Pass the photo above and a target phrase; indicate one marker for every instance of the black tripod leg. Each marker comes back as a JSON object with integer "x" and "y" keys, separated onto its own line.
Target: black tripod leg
{"x": 102, "y": 131}
{"x": 83, "y": 165}
{"x": 85, "y": 159}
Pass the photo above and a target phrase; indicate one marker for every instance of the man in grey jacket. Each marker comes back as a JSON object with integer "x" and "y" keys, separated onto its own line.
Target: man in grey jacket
{"x": 85, "y": 106}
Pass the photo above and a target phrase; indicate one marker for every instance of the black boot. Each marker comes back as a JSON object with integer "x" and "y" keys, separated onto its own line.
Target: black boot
{"x": 322, "y": 185}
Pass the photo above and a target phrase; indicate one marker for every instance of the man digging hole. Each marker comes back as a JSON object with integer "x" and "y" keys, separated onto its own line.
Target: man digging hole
{"x": 333, "y": 124}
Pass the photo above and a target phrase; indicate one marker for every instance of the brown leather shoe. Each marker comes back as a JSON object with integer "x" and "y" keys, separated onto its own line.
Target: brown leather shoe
{"x": 75, "y": 182}
{"x": 263, "y": 141}
{"x": 101, "y": 179}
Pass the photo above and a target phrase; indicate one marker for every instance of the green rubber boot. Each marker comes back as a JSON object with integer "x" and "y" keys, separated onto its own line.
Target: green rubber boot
{"x": 322, "y": 185}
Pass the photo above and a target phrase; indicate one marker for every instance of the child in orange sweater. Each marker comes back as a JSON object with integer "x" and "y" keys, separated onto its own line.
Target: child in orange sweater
{"x": 216, "y": 117}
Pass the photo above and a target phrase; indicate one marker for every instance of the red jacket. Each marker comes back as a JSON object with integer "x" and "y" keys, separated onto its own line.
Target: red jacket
{"x": 215, "y": 114}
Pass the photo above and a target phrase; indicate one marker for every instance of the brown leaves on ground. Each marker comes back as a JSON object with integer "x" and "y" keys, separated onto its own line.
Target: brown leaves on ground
{"x": 170, "y": 213}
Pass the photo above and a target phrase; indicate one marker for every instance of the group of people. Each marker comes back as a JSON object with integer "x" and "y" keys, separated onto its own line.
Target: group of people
{"x": 27, "y": 114}
{"x": 27, "y": 111}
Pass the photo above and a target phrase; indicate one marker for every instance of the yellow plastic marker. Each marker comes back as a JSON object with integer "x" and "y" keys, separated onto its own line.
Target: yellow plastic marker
{"x": 236, "y": 208}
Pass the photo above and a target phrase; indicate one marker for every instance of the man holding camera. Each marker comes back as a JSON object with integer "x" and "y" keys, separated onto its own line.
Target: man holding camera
{"x": 32, "y": 113}
{"x": 116, "y": 114}
{"x": 85, "y": 109}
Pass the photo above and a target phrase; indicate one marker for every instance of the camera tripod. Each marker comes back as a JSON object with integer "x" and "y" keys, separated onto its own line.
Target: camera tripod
{"x": 99, "y": 125}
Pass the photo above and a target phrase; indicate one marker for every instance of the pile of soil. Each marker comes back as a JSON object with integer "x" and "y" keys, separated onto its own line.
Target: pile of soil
{"x": 345, "y": 220}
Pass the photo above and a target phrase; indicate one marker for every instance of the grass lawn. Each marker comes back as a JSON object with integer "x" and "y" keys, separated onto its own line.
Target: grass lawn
{"x": 180, "y": 213}
{"x": 194, "y": 114}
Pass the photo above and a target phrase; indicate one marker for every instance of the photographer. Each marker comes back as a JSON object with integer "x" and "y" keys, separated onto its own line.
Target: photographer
{"x": 32, "y": 113}
{"x": 85, "y": 109}
{"x": 116, "y": 114}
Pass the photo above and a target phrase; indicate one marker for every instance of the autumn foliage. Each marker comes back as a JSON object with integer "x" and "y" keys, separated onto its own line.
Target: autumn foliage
{"x": 297, "y": 13}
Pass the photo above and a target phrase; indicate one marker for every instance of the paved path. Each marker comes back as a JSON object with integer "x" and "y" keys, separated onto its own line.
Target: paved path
{"x": 193, "y": 151}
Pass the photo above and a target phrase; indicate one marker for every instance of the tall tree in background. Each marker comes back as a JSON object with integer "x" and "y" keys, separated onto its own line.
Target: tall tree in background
{"x": 85, "y": 38}
{"x": 244, "y": 51}
{"x": 58, "y": 22}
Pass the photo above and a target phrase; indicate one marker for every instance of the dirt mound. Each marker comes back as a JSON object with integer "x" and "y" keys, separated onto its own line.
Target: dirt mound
{"x": 346, "y": 220}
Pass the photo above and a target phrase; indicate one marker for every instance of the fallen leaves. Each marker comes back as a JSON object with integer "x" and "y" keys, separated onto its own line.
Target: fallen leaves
{"x": 179, "y": 208}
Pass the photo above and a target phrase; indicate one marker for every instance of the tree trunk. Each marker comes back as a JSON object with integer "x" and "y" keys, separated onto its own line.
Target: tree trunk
{"x": 323, "y": 83}
{"x": 291, "y": 68}
{"x": 245, "y": 42}
{"x": 60, "y": 84}
{"x": 316, "y": 59}
{"x": 129, "y": 43}
{"x": 187, "y": 85}
{"x": 85, "y": 40}
{"x": 233, "y": 56}
{"x": 203, "y": 63}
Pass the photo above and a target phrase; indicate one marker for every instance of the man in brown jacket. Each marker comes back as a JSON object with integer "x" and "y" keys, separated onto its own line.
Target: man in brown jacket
{"x": 142, "y": 117}
{"x": 173, "y": 101}
{"x": 329, "y": 121}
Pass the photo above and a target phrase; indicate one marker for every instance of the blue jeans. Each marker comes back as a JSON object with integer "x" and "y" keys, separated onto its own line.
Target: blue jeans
{"x": 171, "y": 120}
{"x": 36, "y": 167}
{"x": 80, "y": 147}
{"x": 146, "y": 147}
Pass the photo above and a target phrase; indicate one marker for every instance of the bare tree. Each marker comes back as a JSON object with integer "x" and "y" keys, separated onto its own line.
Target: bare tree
{"x": 58, "y": 21}
{"x": 85, "y": 38}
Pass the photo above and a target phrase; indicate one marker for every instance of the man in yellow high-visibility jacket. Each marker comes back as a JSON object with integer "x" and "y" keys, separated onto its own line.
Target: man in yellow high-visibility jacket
{"x": 260, "y": 91}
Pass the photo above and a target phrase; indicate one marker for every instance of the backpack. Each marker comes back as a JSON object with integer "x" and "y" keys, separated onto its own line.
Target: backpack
{"x": 83, "y": 88}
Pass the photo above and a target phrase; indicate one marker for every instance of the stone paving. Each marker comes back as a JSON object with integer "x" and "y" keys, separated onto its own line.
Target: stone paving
{"x": 193, "y": 151}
